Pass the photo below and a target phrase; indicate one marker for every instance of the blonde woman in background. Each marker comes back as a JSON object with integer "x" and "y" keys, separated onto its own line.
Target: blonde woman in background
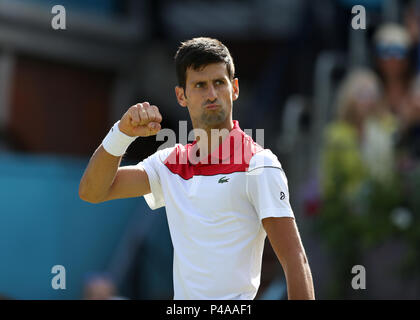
{"x": 357, "y": 170}
{"x": 360, "y": 142}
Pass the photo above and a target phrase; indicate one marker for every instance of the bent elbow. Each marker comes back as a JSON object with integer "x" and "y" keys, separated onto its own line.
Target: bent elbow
{"x": 90, "y": 200}
{"x": 85, "y": 196}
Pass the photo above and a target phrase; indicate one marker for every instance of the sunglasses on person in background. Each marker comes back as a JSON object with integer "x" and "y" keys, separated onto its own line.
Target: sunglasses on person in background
{"x": 391, "y": 51}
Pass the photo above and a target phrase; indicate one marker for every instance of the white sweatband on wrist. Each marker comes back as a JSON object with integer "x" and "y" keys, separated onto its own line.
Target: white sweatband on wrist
{"x": 117, "y": 142}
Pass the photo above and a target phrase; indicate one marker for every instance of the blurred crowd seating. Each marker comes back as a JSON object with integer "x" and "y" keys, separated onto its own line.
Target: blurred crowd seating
{"x": 363, "y": 195}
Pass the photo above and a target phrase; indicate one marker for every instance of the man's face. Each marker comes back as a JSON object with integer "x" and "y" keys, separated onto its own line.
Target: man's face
{"x": 209, "y": 95}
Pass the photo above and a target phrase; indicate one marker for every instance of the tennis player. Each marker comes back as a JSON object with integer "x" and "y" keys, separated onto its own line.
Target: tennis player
{"x": 223, "y": 192}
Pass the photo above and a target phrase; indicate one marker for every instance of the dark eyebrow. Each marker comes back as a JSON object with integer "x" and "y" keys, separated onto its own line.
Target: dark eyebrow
{"x": 204, "y": 81}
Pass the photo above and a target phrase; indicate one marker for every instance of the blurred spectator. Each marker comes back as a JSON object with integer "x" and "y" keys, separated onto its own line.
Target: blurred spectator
{"x": 409, "y": 139}
{"x": 408, "y": 147}
{"x": 357, "y": 174}
{"x": 359, "y": 142}
{"x": 5, "y": 297}
{"x": 408, "y": 164}
{"x": 99, "y": 287}
{"x": 412, "y": 24}
{"x": 392, "y": 47}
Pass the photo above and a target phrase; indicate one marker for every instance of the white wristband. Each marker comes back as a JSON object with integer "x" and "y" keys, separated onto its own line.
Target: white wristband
{"x": 117, "y": 142}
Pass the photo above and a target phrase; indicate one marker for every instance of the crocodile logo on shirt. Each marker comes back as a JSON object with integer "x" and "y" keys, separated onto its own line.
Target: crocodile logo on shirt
{"x": 223, "y": 179}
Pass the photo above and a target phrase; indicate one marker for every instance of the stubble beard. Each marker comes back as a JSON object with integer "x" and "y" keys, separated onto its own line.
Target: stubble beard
{"x": 211, "y": 119}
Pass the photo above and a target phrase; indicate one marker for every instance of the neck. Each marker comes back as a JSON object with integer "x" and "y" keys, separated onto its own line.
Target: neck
{"x": 205, "y": 142}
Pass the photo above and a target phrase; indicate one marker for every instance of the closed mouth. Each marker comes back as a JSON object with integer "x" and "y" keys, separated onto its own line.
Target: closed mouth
{"x": 212, "y": 106}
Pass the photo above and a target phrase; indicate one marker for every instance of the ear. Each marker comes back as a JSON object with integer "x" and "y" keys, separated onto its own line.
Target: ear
{"x": 235, "y": 91}
{"x": 180, "y": 96}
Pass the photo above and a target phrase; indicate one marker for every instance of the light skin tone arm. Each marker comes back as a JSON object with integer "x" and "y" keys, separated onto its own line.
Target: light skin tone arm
{"x": 285, "y": 240}
{"x": 103, "y": 179}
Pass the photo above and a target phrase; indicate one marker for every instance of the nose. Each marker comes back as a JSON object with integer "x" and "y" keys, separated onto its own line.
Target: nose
{"x": 211, "y": 93}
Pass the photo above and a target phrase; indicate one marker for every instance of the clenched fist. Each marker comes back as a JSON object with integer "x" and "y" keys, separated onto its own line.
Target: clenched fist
{"x": 141, "y": 120}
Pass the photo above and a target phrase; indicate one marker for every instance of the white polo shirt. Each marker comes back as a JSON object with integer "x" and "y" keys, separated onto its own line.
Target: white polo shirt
{"x": 214, "y": 214}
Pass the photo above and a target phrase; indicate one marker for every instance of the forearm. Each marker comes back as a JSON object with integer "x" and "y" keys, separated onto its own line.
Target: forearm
{"x": 299, "y": 280}
{"x": 102, "y": 179}
{"x": 98, "y": 176}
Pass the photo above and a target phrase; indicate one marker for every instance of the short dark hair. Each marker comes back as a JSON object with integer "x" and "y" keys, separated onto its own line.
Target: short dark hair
{"x": 198, "y": 53}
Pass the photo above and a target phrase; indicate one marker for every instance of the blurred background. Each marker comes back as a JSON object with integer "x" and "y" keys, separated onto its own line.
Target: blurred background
{"x": 340, "y": 107}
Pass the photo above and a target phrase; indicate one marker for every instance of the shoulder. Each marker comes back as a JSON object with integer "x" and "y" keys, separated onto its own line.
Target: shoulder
{"x": 162, "y": 154}
{"x": 339, "y": 128}
{"x": 265, "y": 158}
{"x": 340, "y": 132}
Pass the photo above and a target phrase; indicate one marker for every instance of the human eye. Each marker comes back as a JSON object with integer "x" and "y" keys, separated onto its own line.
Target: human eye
{"x": 220, "y": 81}
{"x": 199, "y": 84}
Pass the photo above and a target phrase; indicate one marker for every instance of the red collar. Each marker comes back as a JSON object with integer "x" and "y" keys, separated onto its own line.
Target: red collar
{"x": 222, "y": 155}
{"x": 235, "y": 159}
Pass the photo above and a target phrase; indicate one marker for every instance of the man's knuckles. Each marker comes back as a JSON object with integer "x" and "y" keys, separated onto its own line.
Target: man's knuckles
{"x": 144, "y": 119}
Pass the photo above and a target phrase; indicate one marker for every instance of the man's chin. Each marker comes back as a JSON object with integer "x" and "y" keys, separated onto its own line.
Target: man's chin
{"x": 213, "y": 118}
{"x": 212, "y": 121}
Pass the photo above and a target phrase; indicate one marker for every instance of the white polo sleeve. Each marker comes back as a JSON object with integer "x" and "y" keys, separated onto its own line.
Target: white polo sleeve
{"x": 267, "y": 186}
{"x": 153, "y": 166}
